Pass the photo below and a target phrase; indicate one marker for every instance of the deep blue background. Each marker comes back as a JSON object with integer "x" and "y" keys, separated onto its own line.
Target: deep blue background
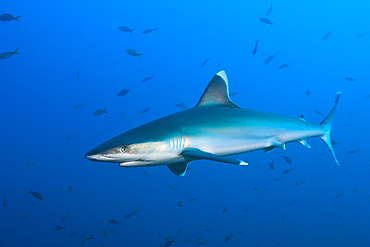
{"x": 39, "y": 90}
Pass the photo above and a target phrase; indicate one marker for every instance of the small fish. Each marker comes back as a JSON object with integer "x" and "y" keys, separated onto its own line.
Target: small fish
{"x": 100, "y": 112}
{"x": 112, "y": 221}
{"x": 300, "y": 182}
{"x": 104, "y": 233}
{"x": 326, "y": 36}
{"x": 132, "y": 52}
{"x": 149, "y": 30}
{"x": 205, "y": 62}
{"x": 180, "y": 204}
{"x": 182, "y": 105}
{"x": 202, "y": 243}
{"x": 127, "y": 216}
{"x": 37, "y": 195}
{"x": 172, "y": 188}
{"x": 125, "y": 29}
{"x": 65, "y": 216}
{"x": 271, "y": 165}
{"x": 284, "y": 66}
{"x": 319, "y": 112}
{"x": 270, "y": 9}
{"x": 277, "y": 179}
{"x": 79, "y": 106}
{"x": 287, "y": 159}
{"x": 147, "y": 78}
{"x": 180, "y": 229}
{"x": 334, "y": 143}
{"x": 86, "y": 240}
{"x": 225, "y": 209}
{"x": 308, "y": 92}
{"x": 185, "y": 240}
{"x": 71, "y": 137}
{"x": 123, "y": 92}
{"x": 135, "y": 211}
{"x": 29, "y": 164}
{"x": 8, "y": 54}
{"x": 58, "y": 228}
{"x": 78, "y": 73}
{"x": 72, "y": 234}
{"x": 291, "y": 203}
{"x": 287, "y": 171}
{"x": 227, "y": 239}
{"x": 84, "y": 234}
{"x": 266, "y": 21}
{"x": 8, "y": 17}
{"x": 255, "y": 188}
{"x": 4, "y": 202}
{"x": 25, "y": 217}
{"x": 360, "y": 35}
{"x": 124, "y": 115}
{"x": 113, "y": 231}
{"x": 353, "y": 151}
{"x": 144, "y": 110}
{"x": 101, "y": 243}
{"x": 167, "y": 238}
{"x": 341, "y": 218}
{"x": 169, "y": 243}
{"x": 199, "y": 238}
{"x": 255, "y": 48}
{"x": 339, "y": 195}
{"x": 192, "y": 199}
{"x": 146, "y": 173}
{"x": 269, "y": 59}
{"x": 350, "y": 79}
{"x": 69, "y": 188}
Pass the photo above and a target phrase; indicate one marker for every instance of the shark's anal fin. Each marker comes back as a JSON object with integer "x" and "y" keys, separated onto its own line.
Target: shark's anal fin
{"x": 179, "y": 169}
{"x": 198, "y": 154}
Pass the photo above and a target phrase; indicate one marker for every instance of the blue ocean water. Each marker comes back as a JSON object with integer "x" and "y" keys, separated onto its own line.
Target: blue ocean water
{"x": 73, "y": 52}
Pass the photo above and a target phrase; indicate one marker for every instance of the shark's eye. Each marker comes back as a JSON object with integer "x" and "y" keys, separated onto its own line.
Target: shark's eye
{"x": 123, "y": 149}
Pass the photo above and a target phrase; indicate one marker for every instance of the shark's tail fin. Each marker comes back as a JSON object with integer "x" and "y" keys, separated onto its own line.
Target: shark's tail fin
{"x": 326, "y": 123}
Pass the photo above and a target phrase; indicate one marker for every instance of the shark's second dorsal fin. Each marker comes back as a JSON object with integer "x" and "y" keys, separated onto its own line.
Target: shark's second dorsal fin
{"x": 217, "y": 92}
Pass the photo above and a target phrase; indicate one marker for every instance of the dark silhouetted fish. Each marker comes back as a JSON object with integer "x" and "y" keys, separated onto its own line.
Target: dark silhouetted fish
{"x": 172, "y": 188}
{"x": 100, "y": 112}
{"x": 180, "y": 229}
{"x": 334, "y": 142}
{"x": 87, "y": 239}
{"x": 271, "y": 165}
{"x": 37, "y": 195}
{"x": 291, "y": 203}
{"x": 284, "y": 66}
{"x": 287, "y": 171}
{"x": 319, "y": 112}
{"x": 202, "y": 243}
{"x": 123, "y": 92}
{"x": 355, "y": 190}
{"x": 326, "y": 36}
{"x": 269, "y": 59}
{"x": 4, "y": 202}
{"x": 270, "y": 9}
{"x": 169, "y": 243}
{"x": 101, "y": 243}
{"x": 227, "y": 239}
{"x": 287, "y": 159}
{"x": 58, "y": 228}
{"x": 132, "y": 52}
{"x": 147, "y": 78}
{"x": 353, "y": 151}
{"x": 149, "y": 30}
{"x": 255, "y": 188}
{"x": 192, "y": 199}
{"x": 72, "y": 234}
{"x": 112, "y": 221}
{"x": 79, "y": 106}
{"x": 205, "y": 62}
{"x": 8, "y": 17}
{"x": 144, "y": 110}
{"x": 255, "y": 48}
{"x": 146, "y": 173}
{"x": 339, "y": 195}
{"x": 225, "y": 209}
{"x": 266, "y": 21}
{"x": 69, "y": 188}
{"x": 78, "y": 73}
{"x": 65, "y": 217}
{"x": 180, "y": 204}
{"x": 300, "y": 182}
{"x": 8, "y": 54}
{"x": 84, "y": 234}
{"x": 104, "y": 233}
{"x": 125, "y": 29}
{"x": 360, "y": 35}
{"x": 350, "y": 79}
{"x": 25, "y": 217}
{"x": 199, "y": 238}
{"x": 308, "y": 92}
{"x": 182, "y": 105}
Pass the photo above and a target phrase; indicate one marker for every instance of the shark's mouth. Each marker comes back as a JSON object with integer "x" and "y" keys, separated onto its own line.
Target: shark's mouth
{"x": 138, "y": 162}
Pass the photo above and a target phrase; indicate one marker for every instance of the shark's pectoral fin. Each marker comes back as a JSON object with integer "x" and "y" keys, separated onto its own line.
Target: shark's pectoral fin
{"x": 195, "y": 153}
{"x": 179, "y": 169}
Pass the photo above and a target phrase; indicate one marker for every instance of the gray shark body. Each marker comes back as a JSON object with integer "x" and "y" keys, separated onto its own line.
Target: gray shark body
{"x": 216, "y": 127}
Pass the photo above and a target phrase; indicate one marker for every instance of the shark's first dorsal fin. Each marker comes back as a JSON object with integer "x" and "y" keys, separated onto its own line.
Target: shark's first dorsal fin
{"x": 217, "y": 92}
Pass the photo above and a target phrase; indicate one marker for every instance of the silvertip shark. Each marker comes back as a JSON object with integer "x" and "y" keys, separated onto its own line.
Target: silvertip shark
{"x": 216, "y": 127}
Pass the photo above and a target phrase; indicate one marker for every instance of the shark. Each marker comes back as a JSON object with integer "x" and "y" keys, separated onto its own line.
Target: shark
{"x": 214, "y": 129}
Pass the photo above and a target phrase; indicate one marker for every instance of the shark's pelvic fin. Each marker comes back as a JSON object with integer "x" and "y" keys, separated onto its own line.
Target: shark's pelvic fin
{"x": 326, "y": 123}
{"x": 217, "y": 92}
{"x": 273, "y": 146}
{"x": 179, "y": 169}
{"x": 195, "y": 153}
